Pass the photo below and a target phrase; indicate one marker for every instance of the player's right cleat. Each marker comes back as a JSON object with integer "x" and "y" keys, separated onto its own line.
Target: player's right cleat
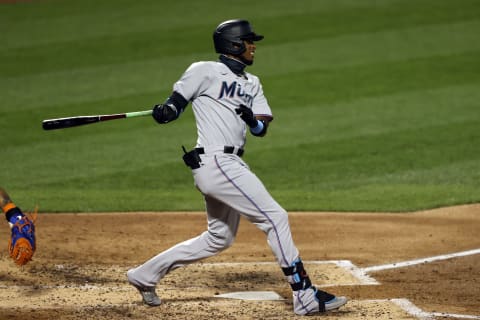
{"x": 307, "y": 299}
{"x": 149, "y": 296}
{"x": 335, "y": 303}
{"x": 313, "y": 301}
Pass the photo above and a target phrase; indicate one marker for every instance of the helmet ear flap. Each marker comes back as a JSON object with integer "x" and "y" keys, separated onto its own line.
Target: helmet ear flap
{"x": 237, "y": 48}
{"x": 227, "y": 46}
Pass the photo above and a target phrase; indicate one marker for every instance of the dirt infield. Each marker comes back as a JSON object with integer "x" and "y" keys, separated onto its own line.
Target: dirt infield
{"x": 78, "y": 271}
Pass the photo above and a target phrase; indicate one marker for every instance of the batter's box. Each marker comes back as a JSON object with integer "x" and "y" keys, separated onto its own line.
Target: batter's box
{"x": 258, "y": 276}
{"x": 83, "y": 286}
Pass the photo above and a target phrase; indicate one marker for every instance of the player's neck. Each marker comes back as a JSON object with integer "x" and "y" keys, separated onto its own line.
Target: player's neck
{"x": 236, "y": 66}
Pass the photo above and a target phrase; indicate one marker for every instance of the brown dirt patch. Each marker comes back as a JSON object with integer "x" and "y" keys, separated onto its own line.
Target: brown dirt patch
{"x": 78, "y": 271}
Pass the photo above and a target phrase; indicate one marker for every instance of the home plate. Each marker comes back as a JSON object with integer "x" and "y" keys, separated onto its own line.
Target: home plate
{"x": 251, "y": 295}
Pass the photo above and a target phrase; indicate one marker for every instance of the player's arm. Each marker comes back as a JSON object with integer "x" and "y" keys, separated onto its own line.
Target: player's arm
{"x": 262, "y": 125}
{"x": 258, "y": 124}
{"x": 190, "y": 85}
{"x": 10, "y": 210}
{"x": 4, "y": 198}
{"x": 171, "y": 109}
{"x": 6, "y": 204}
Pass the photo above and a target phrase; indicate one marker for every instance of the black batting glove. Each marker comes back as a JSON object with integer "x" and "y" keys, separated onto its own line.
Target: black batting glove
{"x": 247, "y": 115}
{"x": 164, "y": 113}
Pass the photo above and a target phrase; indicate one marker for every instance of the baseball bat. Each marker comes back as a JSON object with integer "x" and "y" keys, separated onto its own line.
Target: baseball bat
{"x": 61, "y": 123}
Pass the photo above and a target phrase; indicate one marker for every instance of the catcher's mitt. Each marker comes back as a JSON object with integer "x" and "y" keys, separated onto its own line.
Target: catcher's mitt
{"x": 22, "y": 243}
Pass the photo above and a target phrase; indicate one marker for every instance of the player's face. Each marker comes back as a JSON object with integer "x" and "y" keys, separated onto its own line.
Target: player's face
{"x": 250, "y": 50}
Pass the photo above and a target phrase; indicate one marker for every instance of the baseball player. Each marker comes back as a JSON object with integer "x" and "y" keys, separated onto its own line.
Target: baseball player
{"x": 228, "y": 102}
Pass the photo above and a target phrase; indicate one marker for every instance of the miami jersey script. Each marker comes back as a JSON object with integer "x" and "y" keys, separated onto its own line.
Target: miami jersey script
{"x": 215, "y": 91}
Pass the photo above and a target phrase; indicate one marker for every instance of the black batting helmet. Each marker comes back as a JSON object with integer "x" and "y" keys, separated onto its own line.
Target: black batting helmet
{"x": 229, "y": 35}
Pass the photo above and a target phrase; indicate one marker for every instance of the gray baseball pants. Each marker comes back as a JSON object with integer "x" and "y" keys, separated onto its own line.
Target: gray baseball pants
{"x": 231, "y": 190}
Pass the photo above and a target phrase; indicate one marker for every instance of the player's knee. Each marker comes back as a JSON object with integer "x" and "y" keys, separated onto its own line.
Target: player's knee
{"x": 277, "y": 220}
{"x": 282, "y": 217}
{"x": 220, "y": 241}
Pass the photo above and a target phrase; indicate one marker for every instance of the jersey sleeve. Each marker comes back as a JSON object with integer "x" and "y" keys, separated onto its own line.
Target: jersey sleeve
{"x": 193, "y": 81}
{"x": 260, "y": 105}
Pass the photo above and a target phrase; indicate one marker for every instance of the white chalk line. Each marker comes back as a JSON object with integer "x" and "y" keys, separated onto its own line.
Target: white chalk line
{"x": 420, "y": 261}
{"x": 418, "y": 313}
{"x": 406, "y": 304}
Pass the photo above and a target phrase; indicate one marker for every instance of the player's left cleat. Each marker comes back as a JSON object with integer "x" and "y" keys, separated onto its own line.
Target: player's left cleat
{"x": 149, "y": 296}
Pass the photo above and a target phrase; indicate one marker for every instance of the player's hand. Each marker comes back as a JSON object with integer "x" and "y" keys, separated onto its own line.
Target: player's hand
{"x": 164, "y": 113}
{"x": 247, "y": 115}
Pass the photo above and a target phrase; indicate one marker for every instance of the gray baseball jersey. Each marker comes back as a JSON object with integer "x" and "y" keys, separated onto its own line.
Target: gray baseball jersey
{"x": 229, "y": 187}
{"x": 215, "y": 92}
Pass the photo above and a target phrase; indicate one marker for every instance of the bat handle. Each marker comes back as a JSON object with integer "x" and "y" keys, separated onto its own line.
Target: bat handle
{"x": 138, "y": 113}
{"x": 125, "y": 115}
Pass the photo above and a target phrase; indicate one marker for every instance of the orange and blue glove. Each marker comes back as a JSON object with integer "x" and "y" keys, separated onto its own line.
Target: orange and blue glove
{"x": 22, "y": 243}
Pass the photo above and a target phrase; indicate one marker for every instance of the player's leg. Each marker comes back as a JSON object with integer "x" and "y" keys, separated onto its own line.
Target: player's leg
{"x": 222, "y": 228}
{"x": 243, "y": 191}
{"x": 233, "y": 183}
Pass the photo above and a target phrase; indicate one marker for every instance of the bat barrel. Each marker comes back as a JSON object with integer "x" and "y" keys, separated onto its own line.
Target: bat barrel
{"x": 62, "y": 123}
{"x": 69, "y": 122}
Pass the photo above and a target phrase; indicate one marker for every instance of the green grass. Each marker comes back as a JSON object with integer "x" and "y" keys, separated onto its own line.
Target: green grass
{"x": 375, "y": 102}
